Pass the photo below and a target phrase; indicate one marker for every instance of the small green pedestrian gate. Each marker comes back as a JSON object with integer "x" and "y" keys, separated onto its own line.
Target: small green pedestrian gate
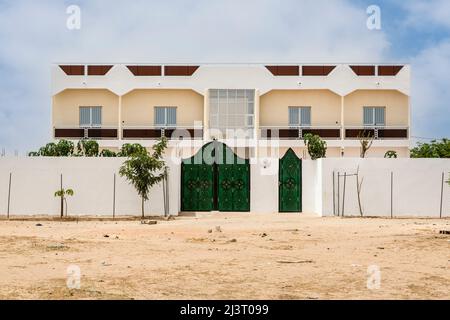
{"x": 290, "y": 183}
{"x": 215, "y": 179}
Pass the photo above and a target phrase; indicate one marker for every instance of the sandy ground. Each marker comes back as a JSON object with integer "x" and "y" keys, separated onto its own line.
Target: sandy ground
{"x": 279, "y": 256}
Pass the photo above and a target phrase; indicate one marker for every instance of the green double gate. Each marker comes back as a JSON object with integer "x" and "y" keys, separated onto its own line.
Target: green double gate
{"x": 215, "y": 179}
{"x": 290, "y": 183}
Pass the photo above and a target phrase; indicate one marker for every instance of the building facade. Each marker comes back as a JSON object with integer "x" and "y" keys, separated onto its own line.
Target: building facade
{"x": 246, "y": 106}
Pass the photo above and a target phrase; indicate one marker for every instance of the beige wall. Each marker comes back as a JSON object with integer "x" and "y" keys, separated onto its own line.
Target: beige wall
{"x": 396, "y": 103}
{"x": 138, "y": 106}
{"x": 301, "y": 152}
{"x": 376, "y": 152}
{"x": 67, "y": 103}
{"x": 325, "y": 107}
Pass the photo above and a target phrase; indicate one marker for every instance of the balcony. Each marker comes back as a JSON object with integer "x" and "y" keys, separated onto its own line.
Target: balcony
{"x": 297, "y": 133}
{"x": 379, "y": 133}
{"x": 154, "y": 133}
{"x": 103, "y": 133}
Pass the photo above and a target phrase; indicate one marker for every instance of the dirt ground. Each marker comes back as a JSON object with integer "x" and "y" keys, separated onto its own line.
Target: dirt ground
{"x": 279, "y": 256}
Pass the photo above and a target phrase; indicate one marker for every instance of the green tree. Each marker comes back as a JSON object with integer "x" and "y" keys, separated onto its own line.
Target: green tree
{"x": 317, "y": 148}
{"x": 88, "y": 148}
{"x": 391, "y": 154}
{"x": 144, "y": 170}
{"x": 130, "y": 149}
{"x": 63, "y": 194}
{"x": 49, "y": 150}
{"x": 64, "y": 148}
{"x": 434, "y": 149}
{"x": 105, "y": 153}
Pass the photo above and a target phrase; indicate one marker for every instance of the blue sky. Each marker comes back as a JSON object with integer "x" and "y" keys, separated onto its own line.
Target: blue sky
{"x": 33, "y": 35}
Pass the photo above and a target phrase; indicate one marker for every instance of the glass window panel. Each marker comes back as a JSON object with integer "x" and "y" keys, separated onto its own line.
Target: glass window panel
{"x": 85, "y": 116}
{"x": 368, "y": 116}
{"x": 380, "y": 116}
{"x": 171, "y": 116}
{"x": 294, "y": 116}
{"x": 305, "y": 116}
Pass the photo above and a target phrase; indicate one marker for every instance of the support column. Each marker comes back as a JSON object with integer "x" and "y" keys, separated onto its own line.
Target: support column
{"x": 119, "y": 127}
{"x": 256, "y": 114}
{"x": 206, "y": 116}
{"x": 256, "y": 131}
{"x": 342, "y": 125}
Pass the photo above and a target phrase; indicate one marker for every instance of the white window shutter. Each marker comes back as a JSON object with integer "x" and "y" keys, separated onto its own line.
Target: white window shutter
{"x": 368, "y": 116}
{"x": 160, "y": 116}
{"x": 380, "y": 116}
{"x": 306, "y": 116}
{"x": 85, "y": 117}
{"x": 293, "y": 116}
{"x": 96, "y": 116}
{"x": 171, "y": 116}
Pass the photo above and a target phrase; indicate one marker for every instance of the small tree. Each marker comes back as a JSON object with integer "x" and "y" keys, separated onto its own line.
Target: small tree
{"x": 366, "y": 141}
{"x": 434, "y": 149}
{"x": 129, "y": 149}
{"x": 144, "y": 171}
{"x": 317, "y": 148}
{"x": 105, "y": 153}
{"x": 391, "y": 154}
{"x": 63, "y": 194}
{"x": 88, "y": 148}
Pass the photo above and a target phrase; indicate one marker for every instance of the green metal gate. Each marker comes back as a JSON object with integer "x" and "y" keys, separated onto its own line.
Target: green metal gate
{"x": 290, "y": 183}
{"x": 215, "y": 179}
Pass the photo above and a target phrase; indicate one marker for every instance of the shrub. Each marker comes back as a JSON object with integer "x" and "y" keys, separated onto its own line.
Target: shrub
{"x": 434, "y": 149}
{"x": 317, "y": 148}
{"x": 391, "y": 154}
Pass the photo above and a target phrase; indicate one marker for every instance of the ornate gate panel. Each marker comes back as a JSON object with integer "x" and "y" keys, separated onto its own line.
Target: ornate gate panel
{"x": 290, "y": 185}
{"x": 215, "y": 179}
{"x": 233, "y": 182}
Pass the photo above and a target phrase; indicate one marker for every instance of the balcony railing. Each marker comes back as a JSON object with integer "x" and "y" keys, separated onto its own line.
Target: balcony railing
{"x": 154, "y": 133}
{"x": 105, "y": 133}
{"x": 379, "y": 133}
{"x": 297, "y": 133}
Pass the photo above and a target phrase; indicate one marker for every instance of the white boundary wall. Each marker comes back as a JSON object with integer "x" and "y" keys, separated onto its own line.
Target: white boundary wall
{"x": 416, "y": 191}
{"x": 416, "y": 188}
{"x": 35, "y": 180}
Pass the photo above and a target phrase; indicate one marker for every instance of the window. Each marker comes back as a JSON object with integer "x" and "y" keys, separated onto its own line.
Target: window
{"x": 299, "y": 116}
{"x": 374, "y": 116}
{"x": 165, "y": 116}
{"x": 90, "y": 117}
{"x": 231, "y": 109}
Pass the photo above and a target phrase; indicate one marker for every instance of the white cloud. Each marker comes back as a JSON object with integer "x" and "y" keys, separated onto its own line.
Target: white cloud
{"x": 430, "y": 91}
{"x": 427, "y": 13}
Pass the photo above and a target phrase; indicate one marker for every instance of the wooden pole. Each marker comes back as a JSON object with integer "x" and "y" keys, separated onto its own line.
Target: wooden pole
{"x": 334, "y": 196}
{"x": 62, "y": 197}
{"x": 392, "y": 195}
{"x": 339, "y": 194}
{"x": 343, "y": 195}
{"x": 9, "y": 194}
{"x": 114, "y": 197}
{"x": 442, "y": 195}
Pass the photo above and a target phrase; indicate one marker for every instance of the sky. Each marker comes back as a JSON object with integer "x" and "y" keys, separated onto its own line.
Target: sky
{"x": 33, "y": 35}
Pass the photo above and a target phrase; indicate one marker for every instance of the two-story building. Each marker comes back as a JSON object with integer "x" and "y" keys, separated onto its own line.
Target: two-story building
{"x": 126, "y": 103}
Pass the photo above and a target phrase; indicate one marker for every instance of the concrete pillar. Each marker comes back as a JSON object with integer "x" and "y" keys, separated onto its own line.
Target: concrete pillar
{"x": 342, "y": 124}
{"x": 119, "y": 127}
{"x": 256, "y": 113}
{"x": 206, "y": 115}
